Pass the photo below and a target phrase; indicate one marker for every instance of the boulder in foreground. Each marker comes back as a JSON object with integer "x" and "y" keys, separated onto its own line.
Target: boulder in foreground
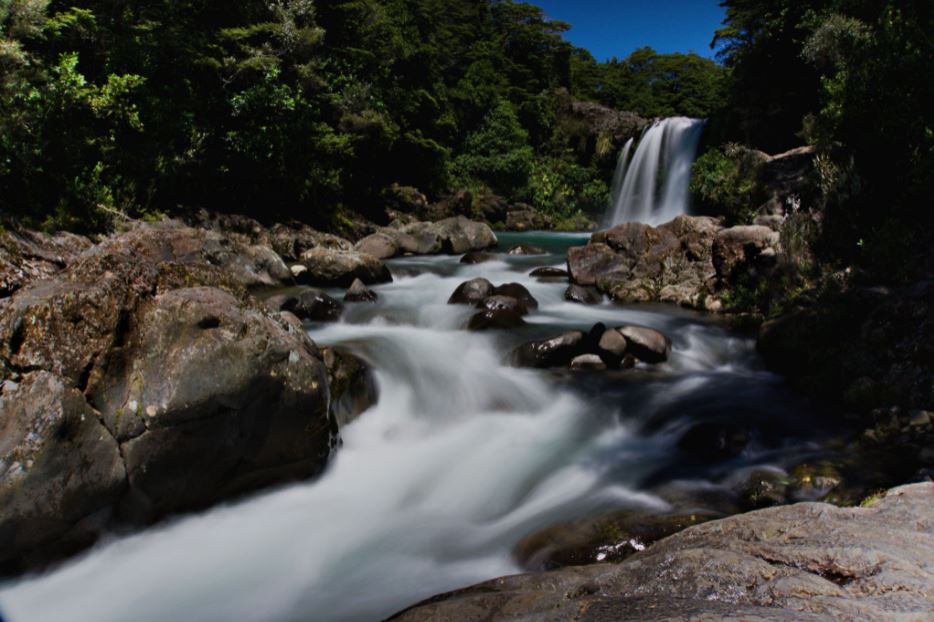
{"x": 808, "y": 562}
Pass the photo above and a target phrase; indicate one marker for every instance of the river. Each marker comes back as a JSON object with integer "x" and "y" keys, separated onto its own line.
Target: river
{"x": 461, "y": 457}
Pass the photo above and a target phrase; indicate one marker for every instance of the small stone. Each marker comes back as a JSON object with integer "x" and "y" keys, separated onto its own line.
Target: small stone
{"x": 152, "y": 411}
{"x": 298, "y": 270}
{"x": 588, "y": 362}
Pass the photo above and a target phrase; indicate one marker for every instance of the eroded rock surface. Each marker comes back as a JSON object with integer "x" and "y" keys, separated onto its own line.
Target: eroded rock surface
{"x": 809, "y": 561}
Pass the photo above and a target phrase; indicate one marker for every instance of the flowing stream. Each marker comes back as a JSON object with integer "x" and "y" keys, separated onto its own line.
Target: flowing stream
{"x": 462, "y": 456}
{"x": 652, "y": 185}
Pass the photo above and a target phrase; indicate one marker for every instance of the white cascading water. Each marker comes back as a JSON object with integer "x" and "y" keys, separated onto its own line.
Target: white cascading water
{"x": 654, "y": 182}
{"x": 462, "y": 456}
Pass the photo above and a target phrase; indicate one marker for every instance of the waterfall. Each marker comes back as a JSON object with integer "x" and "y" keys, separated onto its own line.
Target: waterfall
{"x": 652, "y": 186}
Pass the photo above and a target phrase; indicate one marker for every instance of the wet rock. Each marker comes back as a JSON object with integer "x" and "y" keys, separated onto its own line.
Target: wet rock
{"x": 549, "y": 273}
{"x": 554, "y": 352}
{"x": 341, "y": 268}
{"x": 378, "y": 245}
{"x": 352, "y": 384}
{"x": 634, "y": 262}
{"x": 508, "y": 303}
{"x": 358, "y": 292}
{"x": 190, "y": 438}
{"x": 475, "y": 257}
{"x": 67, "y": 324}
{"x": 519, "y": 292}
{"x": 308, "y": 304}
{"x": 582, "y": 295}
{"x": 525, "y": 249}
{"x": 713, "y": 441}
{"x": 290, "y": 240}
{"x": 646, "y": 344}
{"x": 495, "y": 319}
{"x": 587, "y": 263}
{"x": 453, "y": 236}
{"x": 58, "y": 465}
{"x": 608, "y": 538}
{"x": 472, "y": 292}
{"x": 801, "y": 563}
{"x": 590, "y": 362}
{"x": 612, "y": 347}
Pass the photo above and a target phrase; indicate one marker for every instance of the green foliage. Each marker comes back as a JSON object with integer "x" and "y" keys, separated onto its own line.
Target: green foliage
{"x": 652, "y": 84}
{"x": 849, "y": 78}
{"x": 723, "y": 183}
{"x": 565, "y": 190}
{"x": 498, "y": 153}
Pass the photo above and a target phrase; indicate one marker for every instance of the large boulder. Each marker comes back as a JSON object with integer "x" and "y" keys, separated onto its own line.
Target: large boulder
{"x": 495, "y": 319}
{"x": 202, "y": 392}
{"x": 209, "y": 398}
{"x": 634, "y": 262}
{"x": 587, "y": 263}
{"x": 59, "y": 466}
{"x": 292, "y": 239}
{"x": 808, "y": 562}
{"x": 379, "y": 245}
{"x": 331, "y": 267}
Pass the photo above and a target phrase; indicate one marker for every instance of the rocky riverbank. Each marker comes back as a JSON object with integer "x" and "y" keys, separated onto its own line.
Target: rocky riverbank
{"x": 146, "y": 375}
{"x": 809, "y": 561}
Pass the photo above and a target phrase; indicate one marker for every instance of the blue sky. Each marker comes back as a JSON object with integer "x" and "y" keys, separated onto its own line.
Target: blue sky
{"x": 617, "y": 27}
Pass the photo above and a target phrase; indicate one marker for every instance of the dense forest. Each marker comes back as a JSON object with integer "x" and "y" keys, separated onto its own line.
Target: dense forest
{"x": 297, "y": 108}
{"x": 306, "y": 109}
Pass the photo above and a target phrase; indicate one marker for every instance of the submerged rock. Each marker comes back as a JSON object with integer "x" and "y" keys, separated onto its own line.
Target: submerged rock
{"x": 358, "y": 292}
{"x": 475, "y": 257}
{"x": 353, "y": 388}
{"x": 555, "y": 352}
{"x": 805, "y": 562}
{"x": 495, "y": 319}
{"x": 525, "y": 249}
{"x": 582, "y": 295}
{"x": 549, "y": 273}
{"x": 144, "y": 380}
{"x": 472, "y": 292}
{"x": 190, "y": 438}
{"x": 519, "y": 292}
